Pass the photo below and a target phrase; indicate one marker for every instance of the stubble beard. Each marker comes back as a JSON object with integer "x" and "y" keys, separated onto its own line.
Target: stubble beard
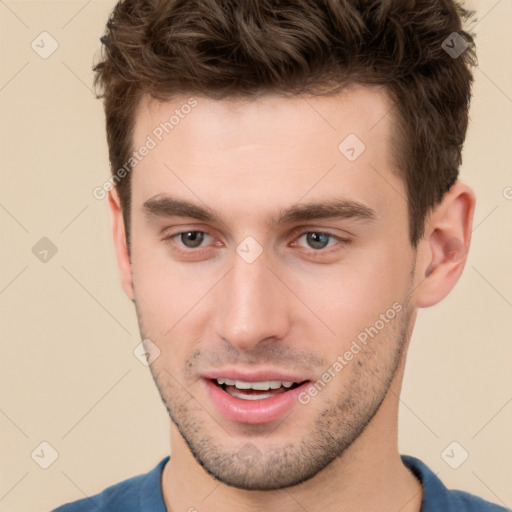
{"x": 254, "y": 461}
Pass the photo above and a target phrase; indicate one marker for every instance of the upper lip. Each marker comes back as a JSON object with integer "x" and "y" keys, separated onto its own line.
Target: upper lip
{"x": 254, "y": 375}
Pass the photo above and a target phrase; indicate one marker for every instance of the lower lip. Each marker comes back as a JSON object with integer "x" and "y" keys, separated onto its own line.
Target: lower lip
{"x": 265, "y": 410}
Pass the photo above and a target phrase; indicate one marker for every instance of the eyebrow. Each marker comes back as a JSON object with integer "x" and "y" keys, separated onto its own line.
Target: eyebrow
{"x": 169, "y": 206}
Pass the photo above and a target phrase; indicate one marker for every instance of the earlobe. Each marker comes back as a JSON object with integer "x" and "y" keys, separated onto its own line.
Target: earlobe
{"x": 119, "y": 238}
{"x": 443, "y": 250}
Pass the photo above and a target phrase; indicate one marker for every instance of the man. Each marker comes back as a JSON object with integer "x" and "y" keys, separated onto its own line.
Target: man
{"x": 284, "y": 198}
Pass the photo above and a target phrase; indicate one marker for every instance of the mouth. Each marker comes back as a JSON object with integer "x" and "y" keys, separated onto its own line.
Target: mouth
{"x": 261, "y": 390}
{"x": 259, "y": 398}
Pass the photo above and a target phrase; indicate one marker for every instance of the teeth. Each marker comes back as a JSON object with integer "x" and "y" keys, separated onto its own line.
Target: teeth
{"x": 239, "y": 384}
{"x": 259, "y": 386}
{"x": 249, "y": 397}
{"x": 229, "y": 382}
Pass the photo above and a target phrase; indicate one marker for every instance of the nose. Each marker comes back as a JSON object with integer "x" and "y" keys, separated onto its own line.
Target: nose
{"x": 252, "y": 305}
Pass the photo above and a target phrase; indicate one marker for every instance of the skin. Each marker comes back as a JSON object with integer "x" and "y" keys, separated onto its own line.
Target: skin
{"x": 292, "y": 308}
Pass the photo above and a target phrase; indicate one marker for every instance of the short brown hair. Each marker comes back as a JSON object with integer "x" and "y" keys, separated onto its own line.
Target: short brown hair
{"x": 245, "y": 48}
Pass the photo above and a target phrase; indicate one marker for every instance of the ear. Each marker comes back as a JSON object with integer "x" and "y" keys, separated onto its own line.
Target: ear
{"x": 119, "y": 236}
{"x": 443, "y": 250}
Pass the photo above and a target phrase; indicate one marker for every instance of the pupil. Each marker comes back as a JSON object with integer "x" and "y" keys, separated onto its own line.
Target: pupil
{"x": 313, "y": 240}
{"x": 194, "y": 237}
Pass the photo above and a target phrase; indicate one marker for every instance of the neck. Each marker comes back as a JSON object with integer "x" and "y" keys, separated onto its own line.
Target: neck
{"x": 369, "y": 476}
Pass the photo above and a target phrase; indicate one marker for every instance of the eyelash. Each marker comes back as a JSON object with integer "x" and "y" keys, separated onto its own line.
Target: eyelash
{"x": 297, "y": 235}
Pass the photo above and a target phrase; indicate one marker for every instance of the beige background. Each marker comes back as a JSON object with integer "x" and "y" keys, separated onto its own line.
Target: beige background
{"x": 68, "y": 373}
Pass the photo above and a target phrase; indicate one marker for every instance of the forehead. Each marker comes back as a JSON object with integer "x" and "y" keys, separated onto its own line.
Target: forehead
{"x": 253, "y": 149}
{"x": 357, "y": 109}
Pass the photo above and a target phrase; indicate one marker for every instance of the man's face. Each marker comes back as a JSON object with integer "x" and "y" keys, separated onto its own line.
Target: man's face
{"x": 253, "y": 296}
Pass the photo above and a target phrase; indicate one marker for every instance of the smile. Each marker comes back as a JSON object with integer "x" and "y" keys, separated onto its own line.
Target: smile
{"x": 262, "y": 397}
{"x": 254, "y": 390}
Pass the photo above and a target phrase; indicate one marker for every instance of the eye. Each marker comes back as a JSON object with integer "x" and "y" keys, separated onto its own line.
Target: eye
{"x": 190, "y": 242}
{"x": 190, "y": 239}
{"x": 319, "y": 240}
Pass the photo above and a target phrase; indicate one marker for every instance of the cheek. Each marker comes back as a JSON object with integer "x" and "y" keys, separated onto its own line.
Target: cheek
{"x": 170, "y": 295}
{"x": 159, "y": 290}
{"x": 351, "y": 297}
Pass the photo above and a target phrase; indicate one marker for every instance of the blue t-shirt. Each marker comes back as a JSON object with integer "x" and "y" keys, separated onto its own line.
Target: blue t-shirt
{"x": 143, "y": 493}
